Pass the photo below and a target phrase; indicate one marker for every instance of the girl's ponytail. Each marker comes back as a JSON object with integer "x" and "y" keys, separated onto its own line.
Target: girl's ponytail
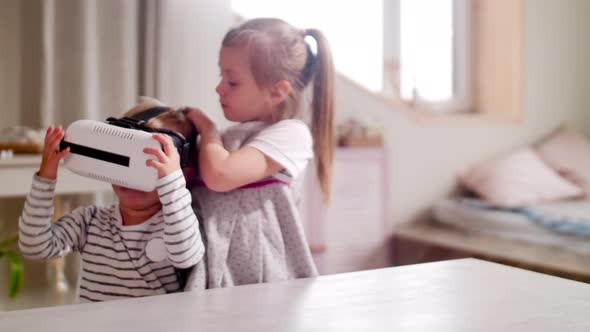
{"x": 322, "y": 111}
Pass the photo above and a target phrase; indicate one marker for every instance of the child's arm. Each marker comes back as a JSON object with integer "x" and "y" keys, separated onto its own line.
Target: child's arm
{"x": 222, "y": 170}
{"x": 182, "y": 237}
{"x": 38, "y": 238}
{"x": 181, "y": 228}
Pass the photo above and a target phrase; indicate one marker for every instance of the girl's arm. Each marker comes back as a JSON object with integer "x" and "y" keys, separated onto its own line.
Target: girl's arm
{"x": 222, "y": 170}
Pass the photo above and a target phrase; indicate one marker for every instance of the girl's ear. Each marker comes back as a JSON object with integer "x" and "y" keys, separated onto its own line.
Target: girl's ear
{"x": 280, "y": 91}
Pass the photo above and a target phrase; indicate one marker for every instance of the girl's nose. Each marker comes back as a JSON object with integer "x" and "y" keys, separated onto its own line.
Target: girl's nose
{"x": 219, "y": 89}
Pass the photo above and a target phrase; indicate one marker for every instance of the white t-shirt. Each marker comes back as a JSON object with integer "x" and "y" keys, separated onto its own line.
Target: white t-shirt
{"x": 288, "y": 142}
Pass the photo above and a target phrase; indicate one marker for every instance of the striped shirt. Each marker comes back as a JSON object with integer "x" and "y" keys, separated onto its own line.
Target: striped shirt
{"x": 118, "y": 261}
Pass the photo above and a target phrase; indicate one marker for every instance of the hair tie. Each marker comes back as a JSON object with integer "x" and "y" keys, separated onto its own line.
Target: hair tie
{"x": 311, "y": 47}
{"x": 309, "y": 67}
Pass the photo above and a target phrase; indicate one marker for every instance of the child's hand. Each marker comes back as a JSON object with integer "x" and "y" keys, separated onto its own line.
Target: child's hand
{"x": 199, "y": 119}
{"x": 168, "y": 161}
{"x": 51, "y": 153}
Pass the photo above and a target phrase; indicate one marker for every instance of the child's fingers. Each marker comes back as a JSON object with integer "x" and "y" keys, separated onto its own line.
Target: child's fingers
{"x": 166, "y": 142}
{"x": 189, "y": 110}
{"x": 48, "y": 133}
{"x": 53, "y": 143}
{"x": 194, "y": 114}
{"x": 154, "y": 163}
{"x": 159, "y": 154}
{"x": 56, "y": 130}
{"x": 63, "y": 153}
{"x": 56, "y": 136}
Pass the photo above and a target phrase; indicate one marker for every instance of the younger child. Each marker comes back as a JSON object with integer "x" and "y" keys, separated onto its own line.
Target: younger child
{"x": 253, "y": 228}
{"x": 130, "y": 249}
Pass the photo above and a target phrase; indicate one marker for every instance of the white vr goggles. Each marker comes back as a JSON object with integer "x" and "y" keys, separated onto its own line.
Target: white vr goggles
{"x": 112, "y": 151}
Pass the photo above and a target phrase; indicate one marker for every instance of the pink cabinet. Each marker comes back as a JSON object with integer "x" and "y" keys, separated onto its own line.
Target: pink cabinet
{"x": 353, "y": 233}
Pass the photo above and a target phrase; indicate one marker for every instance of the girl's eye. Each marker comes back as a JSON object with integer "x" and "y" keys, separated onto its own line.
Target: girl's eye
{"x": 233, "y": 84}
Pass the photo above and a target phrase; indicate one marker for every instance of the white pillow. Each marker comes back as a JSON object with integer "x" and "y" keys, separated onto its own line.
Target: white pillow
{"x": 567, "y": 151}
{"x": 517, "y": 179}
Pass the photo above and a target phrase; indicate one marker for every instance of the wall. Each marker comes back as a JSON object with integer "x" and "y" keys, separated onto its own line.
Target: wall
{"x": 10, "y": 63}
{"x": 425, "y": 158}
{"x": 189, "y": 70}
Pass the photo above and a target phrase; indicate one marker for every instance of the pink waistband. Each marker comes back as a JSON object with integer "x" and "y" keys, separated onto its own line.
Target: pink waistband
{"x": 200, "y": 183}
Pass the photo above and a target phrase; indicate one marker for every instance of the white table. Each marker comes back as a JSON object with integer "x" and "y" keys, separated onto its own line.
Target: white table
{"x": 16, "y": 175}
{"x": 460, "y": 295}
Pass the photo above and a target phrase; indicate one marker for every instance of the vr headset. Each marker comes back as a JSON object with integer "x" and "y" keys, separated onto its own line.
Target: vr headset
{"x": 112, "y": 151}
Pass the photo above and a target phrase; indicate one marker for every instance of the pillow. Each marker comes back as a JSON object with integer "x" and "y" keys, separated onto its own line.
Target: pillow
{"x": 567, "y": 151}
{"x": 517, "y": 179}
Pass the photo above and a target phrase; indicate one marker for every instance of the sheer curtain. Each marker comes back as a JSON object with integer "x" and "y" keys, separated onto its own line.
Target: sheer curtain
{"x": 82, "y": 58}
{"x": 91, "y": 58}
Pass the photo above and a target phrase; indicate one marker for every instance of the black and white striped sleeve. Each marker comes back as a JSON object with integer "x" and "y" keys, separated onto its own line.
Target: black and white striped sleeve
{"x": 181, "y": 231}
{"x": 40, "y": 239}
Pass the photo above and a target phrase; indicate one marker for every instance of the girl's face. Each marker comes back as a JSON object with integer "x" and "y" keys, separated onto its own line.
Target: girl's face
{"x": 136, "y": 199}
{"x": 240, "y": 97}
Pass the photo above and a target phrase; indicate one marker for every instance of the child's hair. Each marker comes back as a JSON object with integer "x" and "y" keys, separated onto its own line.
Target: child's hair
{"x": 278, "y": 51}
{"x": 172, "y": 119}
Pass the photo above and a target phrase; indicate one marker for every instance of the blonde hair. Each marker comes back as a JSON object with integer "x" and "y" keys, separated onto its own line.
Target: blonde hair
{"x": 173, "y": 120}
{"x": 278, "y": 51}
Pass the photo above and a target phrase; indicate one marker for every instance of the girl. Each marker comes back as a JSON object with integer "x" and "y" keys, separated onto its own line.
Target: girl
{"x": 251, "y": 221}
{"x": 137, "y": 247}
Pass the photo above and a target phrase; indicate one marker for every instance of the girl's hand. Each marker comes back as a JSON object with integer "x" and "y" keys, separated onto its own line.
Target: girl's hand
{"x": 51, "y": 153}
{"x": 168, "y": 161}
{"x": 199, "y": 119}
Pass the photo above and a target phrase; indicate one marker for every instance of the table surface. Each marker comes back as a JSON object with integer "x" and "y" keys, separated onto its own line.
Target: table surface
{"x": 459, "y": 295}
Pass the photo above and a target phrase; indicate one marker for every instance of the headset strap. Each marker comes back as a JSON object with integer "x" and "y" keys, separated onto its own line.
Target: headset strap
{"x": 150, "y": 113}
{"x": 138, "y": 120}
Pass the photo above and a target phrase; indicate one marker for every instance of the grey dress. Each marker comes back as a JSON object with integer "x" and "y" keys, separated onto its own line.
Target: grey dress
{"x": 253, "y": 234}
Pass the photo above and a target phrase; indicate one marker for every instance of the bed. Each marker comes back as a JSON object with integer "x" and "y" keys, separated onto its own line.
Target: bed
{"x": 458, "y": 228}
{"x": 518, "y": 224}
{"x": 529, "y": 207}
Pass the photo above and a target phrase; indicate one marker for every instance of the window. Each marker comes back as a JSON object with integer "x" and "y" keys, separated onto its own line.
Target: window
{"x": 435, "y": 55}
{"x": 434, "y": 58}
{"x": 426, "y": 49}
{"x": 354, "y": 29}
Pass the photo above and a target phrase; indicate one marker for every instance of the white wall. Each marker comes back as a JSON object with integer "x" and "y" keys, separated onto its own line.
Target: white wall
{"x": 424, "y": 159}
{"x": 189, "y": 65}
{"x": 9, "y": 62}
